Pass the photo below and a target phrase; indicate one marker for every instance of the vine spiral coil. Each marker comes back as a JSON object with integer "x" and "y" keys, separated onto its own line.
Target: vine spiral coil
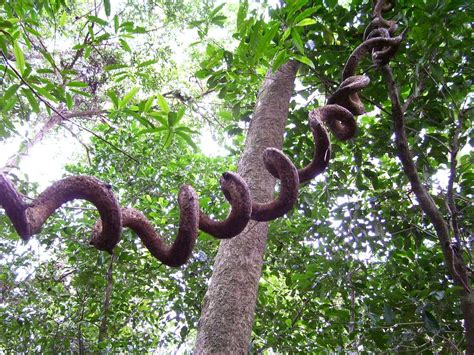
{"x": 338, "y": 114}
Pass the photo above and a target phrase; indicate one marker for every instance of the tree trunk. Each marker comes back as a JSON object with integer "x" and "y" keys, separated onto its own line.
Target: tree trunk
{"x": 229, "y": 304}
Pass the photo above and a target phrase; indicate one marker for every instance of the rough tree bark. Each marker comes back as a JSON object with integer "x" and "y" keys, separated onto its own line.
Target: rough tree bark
{"x": 229, "y": 304}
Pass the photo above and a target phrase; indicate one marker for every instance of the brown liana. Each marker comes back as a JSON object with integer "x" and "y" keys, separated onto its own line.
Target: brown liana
{"x": 337, "y": 115}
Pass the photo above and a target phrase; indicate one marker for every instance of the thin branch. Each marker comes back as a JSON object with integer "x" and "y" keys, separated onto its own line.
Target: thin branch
{"x": 452, "y": 177}
{"x": 416, "y": 92}
{"x": 380, "y": 107}
{"x": 46, "y": 102}
{"x": 13, "y": 161}
{"x": 107, "y": 297}
{"x": 87, "y": 149}
{"x": 453, "y": 260}
{"x": 79, "y": 51}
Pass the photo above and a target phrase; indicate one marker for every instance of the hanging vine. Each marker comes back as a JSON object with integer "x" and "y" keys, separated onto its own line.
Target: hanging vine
{"x": 337, "y": 115}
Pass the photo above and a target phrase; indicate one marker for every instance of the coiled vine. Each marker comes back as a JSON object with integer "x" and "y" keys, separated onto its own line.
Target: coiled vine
{"x": 337, "y": 115}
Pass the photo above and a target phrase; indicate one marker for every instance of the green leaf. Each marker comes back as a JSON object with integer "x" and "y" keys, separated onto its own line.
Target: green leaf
{"x": 168, "y": 139}
{"x": 184, "y": 129}
{"x": 180, "y": 113}
{"x": 160, "y": 116}
{"x": 297, "y": 40}
{"x": 82, "y": 93}
{"x": 242, "y": 13}
{"x": 125, "y": 45}
{"x": 286, "y": 34}
{"x": 111, "y": 67}
{"x": 107, "y": 7}
{"x": 155, "y": 130}
{"x": 69, "y": 101}
{"x": 19, "y": 57}
{"x": 267, "y": 38}
{"x": 163, "y": 104}
{"x": 144, "y": 121}
{"x": 281, "y": 58}
{"x": 304, "y": 60}
{"x": 44, "y": 93}
{"x": 9, "y": 104}
{"x": 33, "y": 31}
{"x": 203, "y": 73}
{"x": 140, "y": 29}
{"x": 219, "y": 20}
{"x": 31, "y": 99}
{"x": 295, "y": 6}
{"x": 62, "y": 19}
{"x": 172, "y": 119}
{"x": 148, "y": 104}
{"x": 116, "y": 24}
{"x": 188, "y": 139}
{"x": 306, "y": 22}
{"x": 87, "y": 52}
{"x": 146, "y": 63}
{"x": 99, "y": 39}
{"x": 97, "y": 20}
{"x": 127, "y": 97}
{"x": 306, "y": 13}
{"x": 114, "y": 98}
{"x": 10, "y": 92}
{"x": 216, "y": 10}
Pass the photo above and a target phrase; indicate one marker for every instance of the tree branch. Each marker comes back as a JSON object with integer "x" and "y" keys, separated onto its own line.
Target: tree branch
{"x": 453, "y": 260}
{"x": 46, "y": 102}
{"x": 107, "y": 297}
{"x": 452, "y": 177}
{"x": 52, "y": 122}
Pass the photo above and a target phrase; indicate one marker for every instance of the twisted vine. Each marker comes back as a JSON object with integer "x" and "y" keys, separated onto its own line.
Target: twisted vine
{"x": 338, "y": 115}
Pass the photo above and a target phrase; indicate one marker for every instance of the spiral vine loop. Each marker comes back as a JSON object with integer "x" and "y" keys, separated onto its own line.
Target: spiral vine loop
{"x": 338, "y": 115}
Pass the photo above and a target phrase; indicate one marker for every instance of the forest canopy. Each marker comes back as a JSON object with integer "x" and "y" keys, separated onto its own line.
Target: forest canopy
{"x": 149, "y": 95}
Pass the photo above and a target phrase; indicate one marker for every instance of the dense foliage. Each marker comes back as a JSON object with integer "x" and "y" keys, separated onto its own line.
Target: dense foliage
{"x": 355, "y": 266}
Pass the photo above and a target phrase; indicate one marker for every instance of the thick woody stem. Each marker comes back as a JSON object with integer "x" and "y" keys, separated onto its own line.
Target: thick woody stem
{"x": 14, "y": 206}
{"x": 28, "y": 218}
{"x": 346, "y": 95}
{"x": 179, "y": 252}
{"x": 322, "y": 151}
{"x": 340, "y": 121}
{"x": 281, "y": 168}
{"x": 237, "y": 193}
{"x": 367, "y": 46}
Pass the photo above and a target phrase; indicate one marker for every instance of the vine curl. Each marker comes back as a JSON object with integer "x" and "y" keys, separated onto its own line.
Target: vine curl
{"x": 338, "y": 115}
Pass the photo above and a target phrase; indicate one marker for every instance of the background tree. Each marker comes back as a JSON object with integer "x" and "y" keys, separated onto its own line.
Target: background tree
{"x": 355, "y": 266}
